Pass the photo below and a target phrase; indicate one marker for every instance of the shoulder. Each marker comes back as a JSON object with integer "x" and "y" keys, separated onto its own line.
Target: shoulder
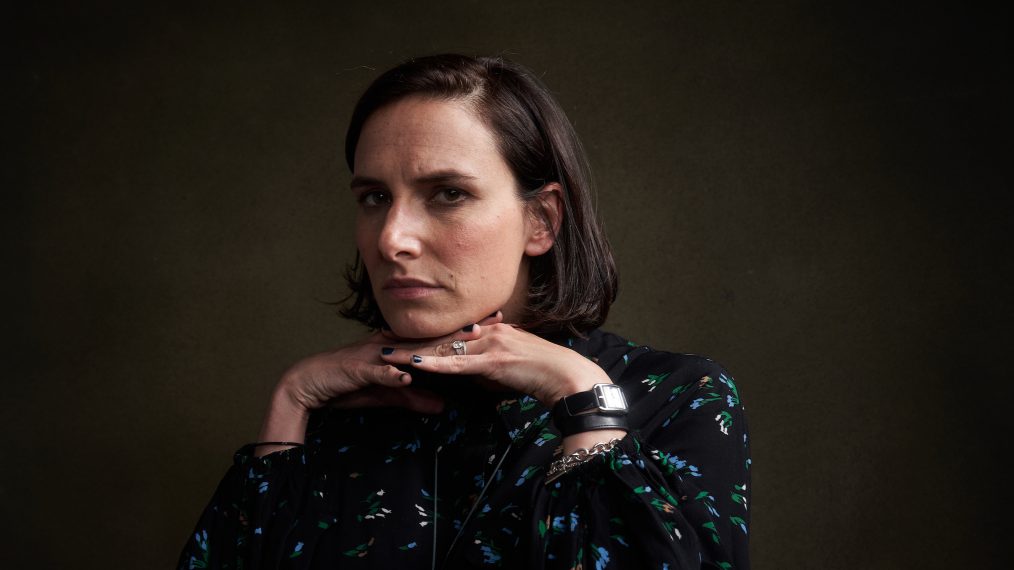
{"x": 643, "y": 368}
{"x": 661, "y": 383}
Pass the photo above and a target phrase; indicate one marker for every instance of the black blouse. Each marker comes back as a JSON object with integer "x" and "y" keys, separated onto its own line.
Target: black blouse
{"x": 388, "y": 488}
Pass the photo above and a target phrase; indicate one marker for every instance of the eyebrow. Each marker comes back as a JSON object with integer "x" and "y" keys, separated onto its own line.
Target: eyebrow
{"x": 431, "y": 178}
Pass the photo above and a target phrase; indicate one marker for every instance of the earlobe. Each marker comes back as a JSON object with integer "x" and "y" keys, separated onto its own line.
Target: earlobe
{"x": 545, "y": 220}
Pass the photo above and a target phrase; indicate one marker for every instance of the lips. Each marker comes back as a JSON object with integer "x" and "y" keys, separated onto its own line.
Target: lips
{"x": 409, "y": 288}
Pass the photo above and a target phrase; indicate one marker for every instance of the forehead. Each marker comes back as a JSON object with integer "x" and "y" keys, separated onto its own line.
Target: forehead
{"x": 416, "y": 135}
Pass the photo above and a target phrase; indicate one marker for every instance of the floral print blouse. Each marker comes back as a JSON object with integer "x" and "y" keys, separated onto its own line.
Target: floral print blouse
{"x": 389, "y": 488}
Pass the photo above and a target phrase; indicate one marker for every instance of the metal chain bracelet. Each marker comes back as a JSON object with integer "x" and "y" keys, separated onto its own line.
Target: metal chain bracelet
{"x": 572, "y": 460}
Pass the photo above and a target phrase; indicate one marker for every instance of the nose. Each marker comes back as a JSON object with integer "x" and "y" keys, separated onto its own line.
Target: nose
{"x": 400, "y": 234}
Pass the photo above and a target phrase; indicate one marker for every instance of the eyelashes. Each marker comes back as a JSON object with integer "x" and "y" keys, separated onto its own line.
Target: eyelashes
{"x": 441, "y": 197}
{"x": 451, "y": 196}
{"x": 372, "y": 198}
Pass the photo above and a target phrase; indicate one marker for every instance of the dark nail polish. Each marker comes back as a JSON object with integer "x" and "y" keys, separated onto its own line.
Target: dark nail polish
{"x": 386, "y": 350}
{"x": 416, "y": 358}
{"x": 468, "y": 328}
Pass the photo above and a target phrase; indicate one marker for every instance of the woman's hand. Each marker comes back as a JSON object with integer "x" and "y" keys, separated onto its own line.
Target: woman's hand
{"x": 351, "y": 376}
{"x": 509, "y": 357}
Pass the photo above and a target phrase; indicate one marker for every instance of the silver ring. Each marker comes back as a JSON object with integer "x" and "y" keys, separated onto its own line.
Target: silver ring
{"x": 459, "y": 347}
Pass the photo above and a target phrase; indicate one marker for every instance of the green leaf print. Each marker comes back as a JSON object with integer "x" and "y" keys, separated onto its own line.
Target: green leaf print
{"x": 678, "y": 390}
{"x": 732, "y": 386}
{"x": 373, "y": 508}
{"x": 662, "y": 506}
{"x": 668, "y": 497}
{"x": 724, "y": 420}
{"x": 710, "y": 526}
{"x": 360, "y": 550}
{"x": 544, "y": 436}
{"x": 653, "y": 380}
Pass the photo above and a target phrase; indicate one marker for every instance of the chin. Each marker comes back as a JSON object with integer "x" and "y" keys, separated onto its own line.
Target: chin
{"x": 424, "y": 328}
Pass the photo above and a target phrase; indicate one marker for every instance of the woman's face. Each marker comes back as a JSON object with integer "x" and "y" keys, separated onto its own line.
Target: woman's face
{"x": 439, "y": 226}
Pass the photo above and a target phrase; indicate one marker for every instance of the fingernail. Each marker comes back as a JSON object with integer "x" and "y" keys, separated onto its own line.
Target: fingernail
{"x": 468, "y": 328}
{"x": 416, "y": 358}
{"x": 494, "y": 314}
{"x": 405, "y": 378}
{"x": 386, "y": 350}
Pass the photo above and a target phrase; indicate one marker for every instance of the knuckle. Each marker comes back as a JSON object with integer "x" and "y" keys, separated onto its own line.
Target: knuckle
{"x": 457, "y": 363}
{"x": 498, "y": 359}
{"x": 360, "y": 373}
{"x": 495, "y": 359}
{"x": 381, "y": 374}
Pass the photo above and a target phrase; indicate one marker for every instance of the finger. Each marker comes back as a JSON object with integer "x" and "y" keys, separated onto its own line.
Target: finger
{"x": 408, "y": 355}
{"x": 479, "y": 364}
{"x": 430, "y": 347}
{"x": 415, "y": 399}
{"x": 496, "y": 317}
{"x": 382, "y": 375}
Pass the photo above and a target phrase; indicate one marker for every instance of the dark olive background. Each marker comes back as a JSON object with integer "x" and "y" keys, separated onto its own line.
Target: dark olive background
{"x": 810, "y": 193}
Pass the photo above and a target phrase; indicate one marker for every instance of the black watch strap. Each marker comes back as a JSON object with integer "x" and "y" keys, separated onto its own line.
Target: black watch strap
{"x": 579, "y": 403}
{"x": 603, "y": 407}
{"x": 601, "y": 399}
{"x": 591, "y": 422}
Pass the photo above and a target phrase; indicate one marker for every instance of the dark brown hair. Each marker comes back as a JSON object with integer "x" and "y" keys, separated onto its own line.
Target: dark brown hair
{"x": 575, "y": 282}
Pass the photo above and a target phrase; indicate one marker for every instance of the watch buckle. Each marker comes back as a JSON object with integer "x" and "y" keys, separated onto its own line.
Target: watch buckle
{"x": 609, "y": 398}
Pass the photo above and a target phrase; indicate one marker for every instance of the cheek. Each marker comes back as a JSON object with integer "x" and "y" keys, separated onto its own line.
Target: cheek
{"x": 360, "y": 241}
{"x": 463, "y": 251}
{"x": 366, "y": 231}
{"x": 485, "y": 251}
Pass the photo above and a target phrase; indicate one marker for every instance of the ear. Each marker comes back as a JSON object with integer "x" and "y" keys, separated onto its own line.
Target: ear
{"x": 545, "y": 219}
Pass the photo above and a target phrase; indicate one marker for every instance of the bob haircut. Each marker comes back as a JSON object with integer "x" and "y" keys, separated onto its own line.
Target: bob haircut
{"x": 574, "y": 283}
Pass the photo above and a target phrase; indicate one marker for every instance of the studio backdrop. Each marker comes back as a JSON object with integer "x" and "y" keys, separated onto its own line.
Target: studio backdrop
{"x": 808, "y": 193}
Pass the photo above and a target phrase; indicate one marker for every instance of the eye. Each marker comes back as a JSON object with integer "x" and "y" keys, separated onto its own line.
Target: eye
{"x": 450, "y": 195}
{"x": 373, "y": 198}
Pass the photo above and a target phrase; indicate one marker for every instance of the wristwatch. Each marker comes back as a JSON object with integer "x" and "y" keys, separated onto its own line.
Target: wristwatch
{"x": 602, "y": 407}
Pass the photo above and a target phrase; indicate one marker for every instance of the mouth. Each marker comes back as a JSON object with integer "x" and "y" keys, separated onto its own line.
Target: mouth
{"x": 409, "y": 288}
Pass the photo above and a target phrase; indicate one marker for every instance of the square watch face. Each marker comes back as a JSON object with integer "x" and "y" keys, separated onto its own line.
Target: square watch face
{"x": 610, "y": 398}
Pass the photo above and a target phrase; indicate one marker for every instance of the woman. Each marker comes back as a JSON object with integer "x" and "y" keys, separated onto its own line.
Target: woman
{"x": 488, "y": 422}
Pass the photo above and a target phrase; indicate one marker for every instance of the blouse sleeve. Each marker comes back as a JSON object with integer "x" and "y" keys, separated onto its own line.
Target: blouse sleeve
{"x": 671, "y": 495}
{"x": 248, "y": 517}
